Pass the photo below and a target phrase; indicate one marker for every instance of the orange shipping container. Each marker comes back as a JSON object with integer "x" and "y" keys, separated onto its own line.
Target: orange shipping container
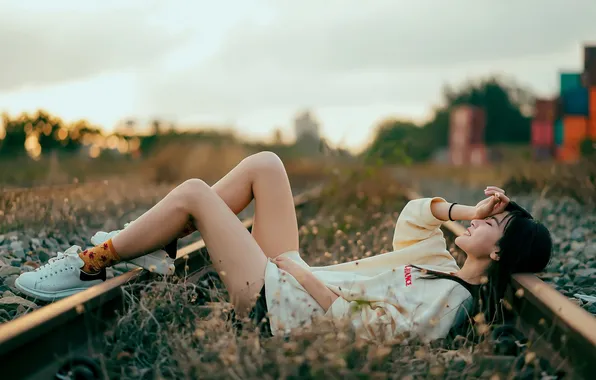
{"x": 568, "y": 153}
{"x": 592, "y": 104}
{"x": 575, "y": 129}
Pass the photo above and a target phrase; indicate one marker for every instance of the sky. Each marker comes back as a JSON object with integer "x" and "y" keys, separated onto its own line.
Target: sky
{"x": 254, "y": 64}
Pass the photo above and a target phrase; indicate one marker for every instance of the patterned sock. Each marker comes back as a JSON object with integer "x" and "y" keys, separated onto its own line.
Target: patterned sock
{"x": 99, "y": 257}
{"x": 172, "y": 247}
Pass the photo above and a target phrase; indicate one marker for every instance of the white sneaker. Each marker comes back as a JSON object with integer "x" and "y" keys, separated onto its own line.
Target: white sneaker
{"x": 157, "y": 262}
{"x": 60, "y": 277}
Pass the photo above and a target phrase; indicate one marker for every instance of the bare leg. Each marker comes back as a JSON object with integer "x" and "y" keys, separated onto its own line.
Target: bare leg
{"x": 263, "y": 177}
{"x": 234, "y": 252}
{"x": 232, "y": 249}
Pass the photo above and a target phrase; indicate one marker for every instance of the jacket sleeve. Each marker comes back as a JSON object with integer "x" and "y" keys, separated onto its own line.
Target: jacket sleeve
{"x": 416, "y": 223}
{"x": 372, "y": 320}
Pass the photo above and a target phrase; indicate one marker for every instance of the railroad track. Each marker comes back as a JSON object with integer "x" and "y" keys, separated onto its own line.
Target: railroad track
{"x": 60, "y": 336}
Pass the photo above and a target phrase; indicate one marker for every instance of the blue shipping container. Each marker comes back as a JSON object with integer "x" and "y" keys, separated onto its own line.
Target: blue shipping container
{"x": 576, "y": 102}
{"x": 570, "y": 81}
{"x": 559, "y": 132}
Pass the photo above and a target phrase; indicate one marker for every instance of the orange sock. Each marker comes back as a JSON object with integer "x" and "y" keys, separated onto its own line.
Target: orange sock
{"x": 99, "y": 257}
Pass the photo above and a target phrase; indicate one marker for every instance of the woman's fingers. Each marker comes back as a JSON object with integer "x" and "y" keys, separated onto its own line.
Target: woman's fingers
{"x": 494, "y": 188}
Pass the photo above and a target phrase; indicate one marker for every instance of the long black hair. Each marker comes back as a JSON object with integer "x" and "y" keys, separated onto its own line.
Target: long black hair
{"x": 525, "y": 247}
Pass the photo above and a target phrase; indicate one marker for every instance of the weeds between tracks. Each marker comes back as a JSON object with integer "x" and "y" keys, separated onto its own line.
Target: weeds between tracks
{"x": 177, "y": 329}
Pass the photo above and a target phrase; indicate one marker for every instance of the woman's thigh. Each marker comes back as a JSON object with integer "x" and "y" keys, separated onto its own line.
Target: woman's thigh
{"x": 275, "y": 226}
{"x": 234, "y": 252}
{"x": 263, "y": 177}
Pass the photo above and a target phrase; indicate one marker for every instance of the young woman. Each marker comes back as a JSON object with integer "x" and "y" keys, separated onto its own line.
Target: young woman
{"x": 415, "y": 288}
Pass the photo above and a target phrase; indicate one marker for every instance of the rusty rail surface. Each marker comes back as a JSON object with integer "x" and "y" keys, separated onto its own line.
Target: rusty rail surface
{"x": 62, "y": 334}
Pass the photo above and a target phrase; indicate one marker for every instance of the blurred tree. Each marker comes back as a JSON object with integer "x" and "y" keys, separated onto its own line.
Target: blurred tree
{"x": 394, "y": 142}
{"x": 506, "y": 106}
{"x": 504, "y": 103}
{"x": 14, "y": 140}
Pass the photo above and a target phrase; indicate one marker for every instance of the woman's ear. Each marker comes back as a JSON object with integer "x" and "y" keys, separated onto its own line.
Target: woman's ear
{"x": 495, "y": 256}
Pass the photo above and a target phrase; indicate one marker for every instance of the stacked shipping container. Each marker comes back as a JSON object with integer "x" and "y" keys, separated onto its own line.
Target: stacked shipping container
{"x": 589, "y": 66}
{"x": 466, "y": 136}
{"x": 559, "y": 126}
{"x": 592, "y": 113}
{"x": 574, "y": 116}
{"x": 543, "y": 128}
{"x": 590, "y": 80}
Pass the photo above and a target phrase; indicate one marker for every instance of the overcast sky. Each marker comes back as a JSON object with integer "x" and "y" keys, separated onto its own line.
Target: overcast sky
{"x": 255, "y": 63}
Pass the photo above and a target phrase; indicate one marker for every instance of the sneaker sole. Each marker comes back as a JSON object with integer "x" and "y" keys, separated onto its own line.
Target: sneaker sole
{"x": 148, "y": 262}
{"x": 45, "y": 296}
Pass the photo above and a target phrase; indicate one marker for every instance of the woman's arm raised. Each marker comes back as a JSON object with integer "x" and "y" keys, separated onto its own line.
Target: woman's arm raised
{"x": 495, "y": 203}
{"x": 440, "y": 210}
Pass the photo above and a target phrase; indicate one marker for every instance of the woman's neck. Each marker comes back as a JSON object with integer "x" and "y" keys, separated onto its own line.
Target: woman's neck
{"x": 473, "y": 271}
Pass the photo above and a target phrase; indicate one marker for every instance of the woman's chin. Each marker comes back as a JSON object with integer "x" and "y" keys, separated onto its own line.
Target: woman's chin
{"x": 460, "y": 239}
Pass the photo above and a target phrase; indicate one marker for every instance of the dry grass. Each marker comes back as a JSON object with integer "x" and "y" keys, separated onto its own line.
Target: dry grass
{"x": 171, "y": 330}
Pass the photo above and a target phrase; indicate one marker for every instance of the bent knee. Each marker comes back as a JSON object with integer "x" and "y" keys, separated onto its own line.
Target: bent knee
{"x": 267, "y": 162}
{"x": 191, "y": 187}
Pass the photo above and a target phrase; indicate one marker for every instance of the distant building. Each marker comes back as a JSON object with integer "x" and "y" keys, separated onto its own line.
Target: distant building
{"x": 308, "y": 135}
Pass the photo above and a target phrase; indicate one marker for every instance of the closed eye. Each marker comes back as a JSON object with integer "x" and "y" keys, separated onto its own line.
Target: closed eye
{"x": 492, "y": 218}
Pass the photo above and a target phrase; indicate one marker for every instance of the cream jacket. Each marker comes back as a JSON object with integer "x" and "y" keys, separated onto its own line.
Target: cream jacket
{"x": 382, "y": 296}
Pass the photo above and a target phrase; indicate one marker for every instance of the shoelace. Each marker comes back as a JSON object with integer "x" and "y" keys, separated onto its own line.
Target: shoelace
{"x": 75, "y": 249}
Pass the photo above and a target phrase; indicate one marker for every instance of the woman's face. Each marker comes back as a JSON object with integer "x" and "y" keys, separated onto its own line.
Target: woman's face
{"x": 480, "y": 239}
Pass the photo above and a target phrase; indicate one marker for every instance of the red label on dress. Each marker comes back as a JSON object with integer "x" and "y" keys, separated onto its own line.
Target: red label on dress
{"x": 408, "y": 275}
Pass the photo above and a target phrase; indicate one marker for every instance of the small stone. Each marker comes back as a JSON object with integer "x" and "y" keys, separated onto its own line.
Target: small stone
{"x": 44, "y": 255}
{"x": 572, "y": 264}
{"x": 9, "y": 270}
{"x": 8, "y": 293}
{"x": 16, "y": 245}
{"x": 2, "y": 239}
{"x": 9, "y": 281}
{"x": 14, "y": 301}
{"x": 19, "y": 254}
{"x": 588, "y": 272}
{"x": 52, "y": 244}
{"x": 35, "y": 242}
{"x": 27, "y": 268}
{"x": 578, "y": 233}
{"x": 590, "y": 251}
{"x": 15, "y": 262}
